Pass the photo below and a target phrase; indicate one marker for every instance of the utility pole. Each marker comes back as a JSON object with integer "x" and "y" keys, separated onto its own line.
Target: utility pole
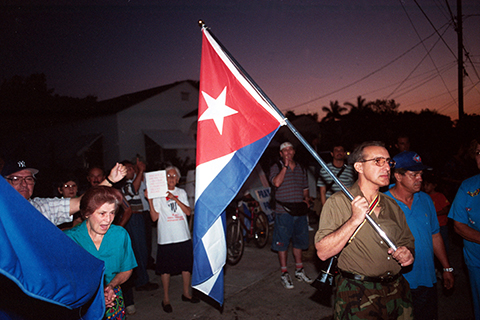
{"x": 460, "y": 59}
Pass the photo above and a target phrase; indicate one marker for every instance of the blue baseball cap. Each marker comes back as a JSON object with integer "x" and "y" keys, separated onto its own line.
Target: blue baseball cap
{"x": 410, "y": 161}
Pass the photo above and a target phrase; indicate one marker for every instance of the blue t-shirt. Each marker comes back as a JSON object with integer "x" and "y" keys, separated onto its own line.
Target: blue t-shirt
{"x": 422, "y": 221}
{"x": 466, "y": 209}
{"x": 116, "y": 249}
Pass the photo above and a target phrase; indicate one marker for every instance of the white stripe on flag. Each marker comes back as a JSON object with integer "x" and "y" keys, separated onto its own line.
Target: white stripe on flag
{"x": 215, "y": 245}
{"x": 207, "y": 285}
{"x": 216, "y": 249}
{"x": 208, "y": 171}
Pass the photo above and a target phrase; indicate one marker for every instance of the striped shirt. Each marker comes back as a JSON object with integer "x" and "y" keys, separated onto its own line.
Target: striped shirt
{"x": 133, "y": 198}
{"x": 347, "y": 178}
{"x": 292, "y": 187}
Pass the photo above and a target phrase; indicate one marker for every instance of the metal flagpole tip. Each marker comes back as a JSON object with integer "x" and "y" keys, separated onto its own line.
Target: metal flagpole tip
{"x": 201, "y": 23}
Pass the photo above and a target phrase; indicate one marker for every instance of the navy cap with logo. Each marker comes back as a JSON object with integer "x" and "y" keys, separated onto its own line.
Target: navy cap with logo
{"x": 410, "y": 161}
{"x": 12, "y": 166}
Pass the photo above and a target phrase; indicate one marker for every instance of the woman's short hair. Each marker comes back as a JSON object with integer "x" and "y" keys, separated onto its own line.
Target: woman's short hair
{"x": 175, "y": 168}
{"x": 96, "y": 197}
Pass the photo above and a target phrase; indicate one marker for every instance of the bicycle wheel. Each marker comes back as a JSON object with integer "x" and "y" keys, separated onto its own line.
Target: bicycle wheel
{"x": 261, "y": 229}
{"x": 235, "y": 243}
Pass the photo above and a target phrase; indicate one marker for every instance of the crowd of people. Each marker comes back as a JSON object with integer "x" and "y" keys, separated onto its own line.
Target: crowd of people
{"x": 379, "y": 282}
{"x": 110, "y": 220}
{"x": 376, "y": 279}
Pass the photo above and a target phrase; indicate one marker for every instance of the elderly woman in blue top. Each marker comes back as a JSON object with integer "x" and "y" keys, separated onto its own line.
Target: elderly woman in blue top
{"x": 107, "y": 242}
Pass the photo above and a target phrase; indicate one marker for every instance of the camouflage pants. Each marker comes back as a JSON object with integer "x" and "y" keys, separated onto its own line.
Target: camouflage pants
{"x": 357, "y": 299}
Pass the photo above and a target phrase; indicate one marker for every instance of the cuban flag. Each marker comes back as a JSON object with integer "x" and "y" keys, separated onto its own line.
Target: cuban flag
{"x": 43, "y": 273}
{"x": 235, "y": 126}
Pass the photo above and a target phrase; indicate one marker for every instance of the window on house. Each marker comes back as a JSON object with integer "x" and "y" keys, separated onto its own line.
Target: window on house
{"x": 185, "y": 96}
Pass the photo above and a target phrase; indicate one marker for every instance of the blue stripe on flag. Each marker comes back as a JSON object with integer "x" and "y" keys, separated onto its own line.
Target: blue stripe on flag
{"x": 209, "y": 207}
{"x": 223, "y": 189}
{"x": 201, "y": 269}
{"x": 217, "y": 290}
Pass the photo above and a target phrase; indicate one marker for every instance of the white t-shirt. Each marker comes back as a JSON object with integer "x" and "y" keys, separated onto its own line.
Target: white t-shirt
{"x": 172, "y": 224}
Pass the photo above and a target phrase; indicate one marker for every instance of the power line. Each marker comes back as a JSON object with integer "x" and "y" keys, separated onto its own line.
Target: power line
{"x": 428, "y": 19}
{"x": 428, "y": 74}
{"x": 446, "y": 105}
{"x": 428, "y": 53}
{"x": 442, "y": 9}
{"x": 363, "y": 78}
{"x": 423, "y": 81}
{"x": 467, "y": 54}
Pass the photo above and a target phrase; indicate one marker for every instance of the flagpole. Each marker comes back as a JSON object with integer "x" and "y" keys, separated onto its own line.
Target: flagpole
{"x": 262, "y": 94}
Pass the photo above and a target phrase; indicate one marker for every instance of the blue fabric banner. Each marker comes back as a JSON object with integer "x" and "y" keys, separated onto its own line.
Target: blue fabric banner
{"x": 43, "y": 268}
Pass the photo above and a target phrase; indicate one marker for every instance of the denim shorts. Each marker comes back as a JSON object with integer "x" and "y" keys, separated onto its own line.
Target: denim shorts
{"x": 289, "y": 228}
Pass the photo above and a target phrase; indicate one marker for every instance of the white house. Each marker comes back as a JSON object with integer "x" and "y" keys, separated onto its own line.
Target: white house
{"x": 159, "y": 124}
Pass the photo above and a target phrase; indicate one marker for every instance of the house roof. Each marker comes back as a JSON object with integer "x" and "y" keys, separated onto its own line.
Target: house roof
{"x": 16, "y": 118}
{"x": 126, "y": 101}
{"x": 171, "y": 139}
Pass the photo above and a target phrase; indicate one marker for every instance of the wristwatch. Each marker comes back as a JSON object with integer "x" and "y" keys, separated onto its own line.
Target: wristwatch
{"x": 447, "y": 269}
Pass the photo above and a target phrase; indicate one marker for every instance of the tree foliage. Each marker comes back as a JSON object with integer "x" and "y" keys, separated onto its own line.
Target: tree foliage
{"x": 361, "y": 104}
{"x": 334, "y": 112}
{"x": 28, "y": 103}
{"x": 434, "y": 136}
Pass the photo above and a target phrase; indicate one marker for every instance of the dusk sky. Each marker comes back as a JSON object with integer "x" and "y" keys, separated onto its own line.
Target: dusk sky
{"x": 303, "y": 54}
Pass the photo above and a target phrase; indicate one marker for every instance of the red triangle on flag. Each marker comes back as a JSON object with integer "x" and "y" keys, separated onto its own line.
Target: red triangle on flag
{"x": 229, "y": 116}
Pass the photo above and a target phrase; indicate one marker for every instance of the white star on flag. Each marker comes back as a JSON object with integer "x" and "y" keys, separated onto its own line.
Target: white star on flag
{"x": 217, "y": 109}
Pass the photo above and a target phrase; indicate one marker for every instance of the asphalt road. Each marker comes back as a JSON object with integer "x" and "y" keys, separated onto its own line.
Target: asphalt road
{"x": 253, "y": 291}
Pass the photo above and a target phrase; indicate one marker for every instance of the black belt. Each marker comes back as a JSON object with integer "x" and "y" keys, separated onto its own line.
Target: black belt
{"x": 354, "y": 276}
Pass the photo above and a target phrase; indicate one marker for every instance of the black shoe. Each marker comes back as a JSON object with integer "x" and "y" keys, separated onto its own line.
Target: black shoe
{"x": 167, "y": 308}
{"x": 193, "y": 299}
{"x": 149, "y": 286}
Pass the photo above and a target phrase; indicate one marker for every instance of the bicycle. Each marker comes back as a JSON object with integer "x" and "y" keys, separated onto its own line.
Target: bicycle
{"x": 238, "y": 231}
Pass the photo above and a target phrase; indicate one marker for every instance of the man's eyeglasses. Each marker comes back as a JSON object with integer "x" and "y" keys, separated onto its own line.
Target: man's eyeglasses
{"x": 69, "y": 186}
{"x": 380, "y": 161}
{"x": 15, "y": 181}
{"x": 171, "y": 175}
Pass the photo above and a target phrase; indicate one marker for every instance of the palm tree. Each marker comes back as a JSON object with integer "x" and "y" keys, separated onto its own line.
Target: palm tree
{"x": 334, "y": 112}
{"x": 385, "y": 106}
{"x": 361, "y": 104}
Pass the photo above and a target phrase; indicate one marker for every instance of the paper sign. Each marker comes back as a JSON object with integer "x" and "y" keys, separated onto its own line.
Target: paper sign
{"x": 156, "y": 183}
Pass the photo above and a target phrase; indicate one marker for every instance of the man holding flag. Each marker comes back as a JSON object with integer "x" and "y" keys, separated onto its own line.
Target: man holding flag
{"x": 370, "y": 284}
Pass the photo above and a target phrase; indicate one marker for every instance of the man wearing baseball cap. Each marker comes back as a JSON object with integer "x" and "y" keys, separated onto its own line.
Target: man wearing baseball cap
{"x": 422, "y": 219}
{"x": 291, "y": 186}
{"x": 22, "y": 178}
